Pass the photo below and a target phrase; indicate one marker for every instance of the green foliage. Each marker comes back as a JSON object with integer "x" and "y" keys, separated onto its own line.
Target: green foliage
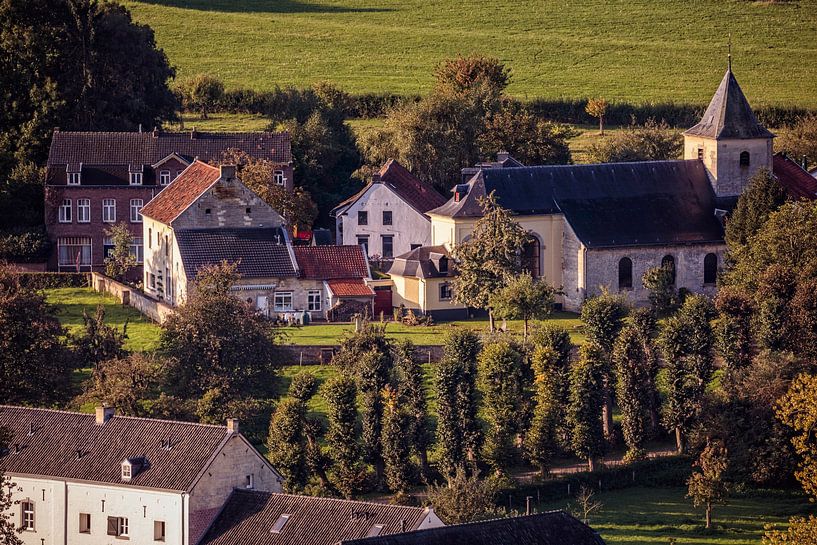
{"x": 653, "y": 141}
{"x": 303, "y": 386}
{"x": 502, "y": 379}
{"x": 98, "y": 341}
{"x": 372, "y": 377}
{"x": 465, "y": 498}
{"x": 540, "y": 441}
{"x": 661, "y": 285}
{"x": 25, "y": 245}
{"x": 342, "y": 435}
{"x": 597, "y": 107}
{"x": 635, "y": 388}
{"x": 52, "y": 280}
{"x": 396, "y": 442}
{"x": 524, "y": 297}
{"x": 126, "y": 382}
{"x": 119, "y": 260}
{"x": 733, "y": 330}
{"x": 798, "y": 410}
{"x": 706, "y": 487}
{"x": 802, "y": 531}
{"x": 219, "y": 403}
{"x": 412, "y": 397}
{"x": 475, "y": 75}
{"x": 586, "y": 400}
{"x": 799, "y": 139}
{"x": 803, "y": 312}
{"x": 603, "y": 317}
{"x": 773, "y": 321}
{"x": 762, "y": 196}
{"x": 286, "y": 443}
{"x": 200, "y": 93}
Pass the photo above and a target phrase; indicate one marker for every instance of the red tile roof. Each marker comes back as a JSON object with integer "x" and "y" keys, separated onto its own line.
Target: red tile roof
{"x": 798, "y": 183}
{"x": 69, "y": 445}
{"x": 182, "y": 192}
{"x": 350, "y": 288}
{"x": 331, "y": 262}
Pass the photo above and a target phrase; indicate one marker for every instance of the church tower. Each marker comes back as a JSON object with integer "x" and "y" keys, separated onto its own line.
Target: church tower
{"x": 729, "y": 139}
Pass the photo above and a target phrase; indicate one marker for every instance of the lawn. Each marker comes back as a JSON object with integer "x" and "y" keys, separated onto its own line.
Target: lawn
{"x": 222, "y": 122}
{"x": 641, "y": 516}
{"x": 652, "y": 50}
{"x": 70, "y": 303}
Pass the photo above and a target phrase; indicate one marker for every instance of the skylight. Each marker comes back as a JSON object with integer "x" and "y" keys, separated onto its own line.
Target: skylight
{"x": 375, "y": 530}
{"x": 279, "y": 524}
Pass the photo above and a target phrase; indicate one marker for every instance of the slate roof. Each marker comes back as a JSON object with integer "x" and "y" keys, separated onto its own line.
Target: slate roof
{"x": 729, "y": 114}
{"x": 798, "y": 183}
{"x": 248, "y": 517}
{"x": 51, "y": 450}
{"x": 331, "y": 262}
{"x": 607, "y": 205}
{"x": 182, "y": 192}
{"x": 350, "y": 288}
{"x": 419, "y": 195}
{"x": 553, "y": 528}
{"x": 261, "y": 252}
{"x": 419, "y": 263}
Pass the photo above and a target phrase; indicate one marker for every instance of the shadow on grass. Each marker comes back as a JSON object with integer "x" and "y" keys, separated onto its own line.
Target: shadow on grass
{"x": 261, "y": 6}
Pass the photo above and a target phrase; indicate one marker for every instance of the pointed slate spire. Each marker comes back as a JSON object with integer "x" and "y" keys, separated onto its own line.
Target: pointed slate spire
{"x": 729, "y": 114}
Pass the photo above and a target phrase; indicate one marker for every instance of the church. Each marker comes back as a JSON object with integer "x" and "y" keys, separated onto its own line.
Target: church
{"x": 601, "y": 226}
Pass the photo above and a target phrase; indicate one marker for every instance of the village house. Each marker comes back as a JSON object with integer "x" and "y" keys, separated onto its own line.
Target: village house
{"x": 389, "y": 215}
{"x": 102, "y": 478}
{"x": 207, "y": 216}
{"x": 97, "y": 179}
{"x": 601, "y": 226}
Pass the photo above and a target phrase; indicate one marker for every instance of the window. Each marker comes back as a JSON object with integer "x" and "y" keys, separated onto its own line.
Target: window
{"x": 152, "y": 282}
{"x": 248, "y": 210}
{"x": 313, "y": 300}
{"x": 65, "y": 211}
{"x": 387, "y": 242}
{"x": 744, "y": 158}
{"x": 164, "y": 177}
{"x": 710, "y": 269}
{"x": 207, "y": 211}
{"x": 150, "y": 237}
{"x": 74, "y": 178}
{"x": 109, "y": 210}
{"x": 158, "y": 530}
{"x": 386, "y": 217}
{"x": 127, "y": 472}
{"x": 136, "y": 210}
{"x": 135, "y": 178}
{"x": 278, "y": 177}
{"x": 445, "y": 292}
{"x": 280, "y": 523}
{"x": 74, "y": 251}
{"x": 283, "y": 301}
{"x": 107, "y": 246}
{"x": 443, "y": 265}
{"x": 178, "y": 173}
{"x": 362, "y": 218}
{"x": 167, "y": 246}
{"x": 117, "y": 526}
{"x": 27, "y": 508}
{"x": 668, "y": 262}
{"x": 83, "y": 210}
{"x": 84, "y": 523}
{"x": 137, "y": 249}
{"x": 625, "y": 274}
{"x": 363, "y": 240}
{"x": 249, "y": 481}
{"x": 700, "y": 154}
{"x": 530, "y": 257}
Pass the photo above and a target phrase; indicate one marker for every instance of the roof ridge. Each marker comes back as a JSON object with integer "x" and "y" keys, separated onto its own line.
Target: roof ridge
{"x": 337, "y": 500}
{"x": 583, "y": 165}
{"x": 175, "y": 133}
{"x": 119, "y": 417}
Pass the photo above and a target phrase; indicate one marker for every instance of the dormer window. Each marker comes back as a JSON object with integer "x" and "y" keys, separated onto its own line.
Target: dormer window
{"x": 279, "y": 524}
{"x": 744, "y": 158}
{"x": 700, "y": 154}
{"x": 164, "y": 177}
{"x": 249, "y": 482}
{"x": 460, "y": 191}
{"x": 127, "y": 470}
{"x": 135, "y": 178}
{"x": 278, "y": 177}
{"x": 74, "y": 178}
{"x": 443, "y": 267}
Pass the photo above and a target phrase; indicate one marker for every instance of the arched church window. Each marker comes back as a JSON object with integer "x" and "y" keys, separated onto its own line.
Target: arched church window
{"x": 710, "y": 268}
{"x": 530, "y": 257}
{"x": 668, "y": 262}
{"x": 744, "y": 158}
{"x": 625, "y": 273}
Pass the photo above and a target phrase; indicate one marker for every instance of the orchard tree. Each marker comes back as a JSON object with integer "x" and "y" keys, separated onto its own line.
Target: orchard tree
{"x": 652, "y": 141}
{"x": 586, "y": 400}
{"x": 342, "y": 437}
{"x": 540, "y": 440}
{"x": 465, "y": 498}
{"x": 524, "y": 298}
{"x": 127, "y": 382}
{"x": 412, "y": 397}
{"x": 98, "y": 341}
{"x": 487, "y": 260}
{"x": 707, "y": 487}
{"x": 475, "y": 77}
{"x": 120, "y": 260}
{"x": 200, "y": 93}
{"x": 396, "y": 443}
{"x": 597, "y": 107}
{"x": 286, "y": 444}
{"x": 634, "y": 389}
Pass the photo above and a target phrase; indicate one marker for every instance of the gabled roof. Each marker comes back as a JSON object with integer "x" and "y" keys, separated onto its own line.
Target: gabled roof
{"x": 608, "y": 204}
{"x": 68, "y": 445}
{"x": 421, "y": 263}
{"x": 350, "y": 288}
{"x": 417, "y": 194}
{"x": 331, "y": 262}
{"x": 798, "y": 183}
{"x": 260, "y": 252}
{"x": 553, "y": 528}
{"x": 729, "y": 114}
{"x": 182, "y": 192}
{"x": 123, "y": 148}
{"x": 248, "y": 517}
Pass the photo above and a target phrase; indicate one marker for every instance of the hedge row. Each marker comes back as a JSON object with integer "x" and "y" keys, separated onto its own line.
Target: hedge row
{"x": 50, "y": 280}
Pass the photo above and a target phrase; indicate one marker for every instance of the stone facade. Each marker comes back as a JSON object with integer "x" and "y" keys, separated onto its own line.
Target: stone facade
{"x": 722, "y": 159}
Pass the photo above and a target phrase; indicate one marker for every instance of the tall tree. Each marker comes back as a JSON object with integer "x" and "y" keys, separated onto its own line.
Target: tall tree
{"x": 97, "y": 341}
{"x": 487, "y": 260}
{"x": 734, "y": 326}
{"x": 586, "y": 400}
{"x": 395, "y": 441}
{"x": 465, "y": 498}
{"x": 762, "y": 196}
{"x": 524, "y": 297}
{"x": 707, "y": 487}
{"x": 412, "y": 397}
{"x": 646, "y": 328}
{"x": 479, "y": 79}
{"x": 633, "y": 389}
{"x": 555, "y": 338}
{"x": 120, "y": 260}
{"x": 286, "y": 443}
{"x": 597, "y": 107}
{"x": 127, "y": 382}
{"x": 540, "y": 440}
{"x": 342, "y": 436}
{"x": 373, "y": 376}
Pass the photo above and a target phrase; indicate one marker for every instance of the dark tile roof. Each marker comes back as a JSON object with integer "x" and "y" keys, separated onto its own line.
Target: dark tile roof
{"x": 350, "y": 288}
{"x": 798, "y": 183}
{"x": 143, "y": 148}
{"x": 421, "y": 263}
{"x": 610, "y": 204}
{"x": 182, "y": 192}
{"x": 331, "y": 262}
{"x": 58, "y": 436}
{"x": 420, "y": 196}
{"x": 248, "y": 517}
{"x": 261, "y": 252}
{"x": 554, "y": 528}
{"x": 729, "y": 114}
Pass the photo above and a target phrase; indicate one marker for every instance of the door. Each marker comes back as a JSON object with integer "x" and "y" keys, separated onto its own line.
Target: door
{"x": 262, "y": 304}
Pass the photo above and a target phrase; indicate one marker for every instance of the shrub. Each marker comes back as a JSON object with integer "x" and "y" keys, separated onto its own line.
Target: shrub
{"x": 51, "y": 280}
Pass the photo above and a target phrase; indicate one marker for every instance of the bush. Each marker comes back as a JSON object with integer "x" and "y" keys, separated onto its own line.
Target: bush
{"x": 25, "y": 246}
{"x": 51, "y": 280}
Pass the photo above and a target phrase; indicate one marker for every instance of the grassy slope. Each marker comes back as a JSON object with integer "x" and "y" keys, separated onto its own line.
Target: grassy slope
{"x": 623, "y": 50}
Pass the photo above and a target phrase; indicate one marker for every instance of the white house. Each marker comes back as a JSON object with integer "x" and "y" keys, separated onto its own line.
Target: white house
{"x": 98, "y": 479}
{"x": 388, "y": 216}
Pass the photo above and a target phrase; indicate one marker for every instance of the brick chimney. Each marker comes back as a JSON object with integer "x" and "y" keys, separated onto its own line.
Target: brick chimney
{"x": 103, "y": 414}
{"x": 227, "y": 172}
{"x": 376, "y": 177}
{"x": 232, "y": 425}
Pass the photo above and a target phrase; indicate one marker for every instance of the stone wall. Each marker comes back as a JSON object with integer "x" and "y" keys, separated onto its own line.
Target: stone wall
{"x": 153, "y": 309}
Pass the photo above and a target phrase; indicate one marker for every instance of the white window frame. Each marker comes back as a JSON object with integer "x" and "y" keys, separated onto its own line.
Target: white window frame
{"x": 282, "y": 306}
{"x": 109, "y": 210}
{"x": 446, "y": 286}
{"x": 77, "y": 244}
{"x": 74, "y": 178}
{"x": 27, "y": 515}
{"x": 313, "y": 300}
{"x": 137, "y": 249}
{"x": 249, "y": 483}
{"x": 122, "y": 526}
{"x": 279, "y": 178}
{"x": 135, "y": 178}
{"x": 64, "y": 213}
{"x": 136, "y": 210}
{"x": 164, "y": 177}
{"x": 83, "y": 210}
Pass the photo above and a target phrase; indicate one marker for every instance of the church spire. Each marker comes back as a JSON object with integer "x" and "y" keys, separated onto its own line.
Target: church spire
{"x": 729, "y": 56}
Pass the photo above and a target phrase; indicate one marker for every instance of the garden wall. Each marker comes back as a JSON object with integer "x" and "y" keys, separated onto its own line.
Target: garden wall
{"x": 153, "y": 309}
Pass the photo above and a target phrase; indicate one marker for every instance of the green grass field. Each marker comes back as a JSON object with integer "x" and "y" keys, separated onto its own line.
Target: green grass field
{"x": 632, "y": 51}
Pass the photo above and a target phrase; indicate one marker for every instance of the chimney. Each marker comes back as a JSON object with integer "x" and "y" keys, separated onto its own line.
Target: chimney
{"x": 227, "y": 172}
{"x": 155, "y": 132}
{"x": 402, "y": 525}
{"x": 103, "y": 414}
{"x": 140, "y": 128}
{"x": 804, "y": 160}
{"x": 232, "y": 425}
{"x": 193, "y": 134}
{"x": 375, "y": 177}
{"x": 502, "y": 156}
{"x": 527, "y": 504}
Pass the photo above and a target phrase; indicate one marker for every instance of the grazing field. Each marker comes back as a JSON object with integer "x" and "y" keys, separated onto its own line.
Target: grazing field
{"x": 652, "y": 50}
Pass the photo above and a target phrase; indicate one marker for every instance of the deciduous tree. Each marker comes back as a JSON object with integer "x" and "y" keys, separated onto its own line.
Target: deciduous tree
{"x": 762, "y": 196}
{"x": 286, "y": 443}
{"x": 799, "y": 139}
{"x": 524, "y": 297}
{"x": 119, "y": 260}
{"x": 342, "y": 436}
{"x": 652, "y": 141}
{"x": 97, "y": 341}
{"x": 597, "y": 107}
{"x": 465, "y": 498}
{"x": 586, "y": 400}
{"x": 395, "y": 442}
{"x": 8, "y": 528}
{"x": 540, "y": 440}
{"x": 412, "y": 396}
{"x": 200, "y": 93}
{"x": 733, "y": 330}
{"x": 128, "y": 382}
{"x": 633, "y": 389}
{"x": 707, "y": 487}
